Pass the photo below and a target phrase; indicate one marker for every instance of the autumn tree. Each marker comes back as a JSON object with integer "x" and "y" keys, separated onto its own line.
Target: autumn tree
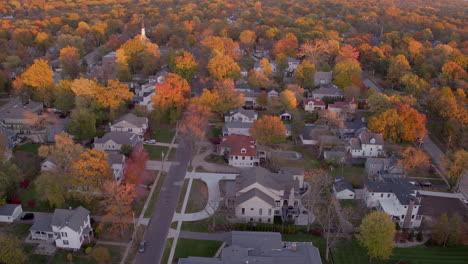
{"x": 221, "y": 45}
{"x": 113, "y": 95}
{"x": 139, "y": 54}
{"x": 70, "y": 61}
{"x": 398, "y": 67}
{"x": 456, "y": 164}
{"x": 90, "y": 173}
{"x": 415, "y": 85}
{"x": 316, "y": 51}
{"x": 288, "y": 99}
{"x": 304, "y": 74}
{"x": 135, "y": 166}
{"x": 184, "y": 64}
{"x": 347, "y": 52}
{"x": 265, "y": 66}
{"x": 287, "y": 45}
{"x": 222, "y": 67}
{"x": 262, "y": 99}
{"x": 221, "y": 98}
{"x": 82, "y": 124}
{"x": 414, "y": 123}
{"x": 100, "y": 254}
{"x": 415, "y": 159}
{"x": 448, "y": 231}
{"x": 171, "y": 98}
{"x": 451, "y": 71}
{"x": 37, "y": 80}
{"x": 247, "y": 39}
{"x": 268, "y": 130}
{"x": 118, "y": 199}
{"x": 344, "y": 71}
{"x": 11, "y": 249}
{"x": 376, "y": 234}
{"x": 193, "y": 127}
{"x": 257, "y": 79}
{"x": 64, "y": 96}
{"x": 388, "y": 123}
{"x": 297, "y": 90}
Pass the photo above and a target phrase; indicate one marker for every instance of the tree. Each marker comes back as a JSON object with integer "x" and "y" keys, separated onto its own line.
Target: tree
{"x": 222, "y": 67}
{"x": 63, "y": 153}
{"x": 38, "y": 79}
{"x": 171, "y": 98}
{"x": 10, "y": 177}
{"x": 398, "y": 67}
{"x": 376, "y": 234}
{"x": 126, "y": 150}
{"x": 113, "y": 95}
{"x": 288, "y": 99}
{"x": 184, "y": 64}
{"x": 222, "y": 98}
{"x": 193, "y": 127}
{"x": 82, "y": 124}
{"x": 297, "y": 90}
{"x": 265, "y": 66}
{"x": 414, "y": 85}
{"x": 118, "y": 199}
{"x": 388, "y": 123}
{"x": 441, "y": 230}
{"x": 268, "y": 130}
{"x": 344, "y": 71}
{"x": 247, "y": 39}
{"x": 315, "y": 51}
{"x": 456, "y": 164}
{"x": 415, "y": 159}
{"x": 257, "y": 79}
{"x": 70, "y": 61}
{"x": 91, "y": 172}
{"x": 101, "y": 254}
{"x": 347, "y": 52}
{"x": 304, "y": 74}
{"x": 414, "y": 123}
{"x": 262, "y": 99}
{"x": 221, "y": 45}
{"x": 64, "y": 96}
{"x": 11, "y": 249}
{"x": 456, "y": 230}
{"x": 451, "y": 71}
{"x": 135, "y": 166}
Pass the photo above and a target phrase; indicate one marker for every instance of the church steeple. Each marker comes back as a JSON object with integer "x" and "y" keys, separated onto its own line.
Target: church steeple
{"x": 143, "y": 32}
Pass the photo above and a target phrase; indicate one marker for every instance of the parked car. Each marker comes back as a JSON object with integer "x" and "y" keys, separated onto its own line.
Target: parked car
{"x": 28, "y": 216}
{"x": 141, "y": 246}
{"x": 426, "y": 184}
{"x": 150, "y": 141}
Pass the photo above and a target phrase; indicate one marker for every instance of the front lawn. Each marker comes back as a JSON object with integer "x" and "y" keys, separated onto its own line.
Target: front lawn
{"x": 198, "y": 197}
{"x": 79, "y": 257}
{"x": 197, "y": 248}
{"x": 163, "y": 135}
{"x": 213, "y": 158}
{"x": 154, "y": 152}
{"x": 28, "y": 147}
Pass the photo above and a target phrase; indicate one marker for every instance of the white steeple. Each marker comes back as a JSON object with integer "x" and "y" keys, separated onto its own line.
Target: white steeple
{"x": 143, "y": 32}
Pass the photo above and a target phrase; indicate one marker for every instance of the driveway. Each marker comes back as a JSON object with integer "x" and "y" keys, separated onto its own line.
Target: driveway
{"x": 199, "y": 160}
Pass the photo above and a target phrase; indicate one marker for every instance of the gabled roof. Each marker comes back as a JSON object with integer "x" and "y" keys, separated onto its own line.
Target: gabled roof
{"x": 18, "y": 113}
{"x": 115, "y": 158}
{"x": 231, "y": 125}
{"x": 366, "y": 137}
{"x": 236, "y": 143}
{"x": 341, "y": 185}
{"x": 329, "y": 90}
{"x": 240, "y": 110}
{"x": 70, "y": 218}
{"x": 254, "y": 193}
{"x": 277, "y": 181}
{"x": 42, "y": 224}
{"x": 132, "y": 119}
{"x": 320, "y": 75}
{"x": 402, "y": 189}
{"x": 119, "y": 137}
{"x": 284, "y": 112}
{"x": 8, "y": 209}
{"x": 314, "y": 101}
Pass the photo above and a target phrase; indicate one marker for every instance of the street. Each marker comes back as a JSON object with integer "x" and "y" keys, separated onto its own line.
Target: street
{"x": 164, "y": 209}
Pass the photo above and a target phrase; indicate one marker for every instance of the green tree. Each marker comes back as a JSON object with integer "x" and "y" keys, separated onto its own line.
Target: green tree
{"x": 415, "y": 85}
{"x": 64, "y": 96}
{"x": 398, "y": 67}
{"x": 304, "y": 74}
{"x": 441, "y": 230}
{"x": 11, "y": 250}
{"x": 376, "y": 234}
{"x": 344, "y": 71}
{"x": 82, "y": 124}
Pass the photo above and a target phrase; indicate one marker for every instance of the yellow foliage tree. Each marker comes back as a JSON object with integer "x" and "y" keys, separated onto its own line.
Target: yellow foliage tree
{"x": 268, "y": 130}
{"x": 222, "y": 66}
{"x": 288, "y": 99}
{"x": 38, "y": 77}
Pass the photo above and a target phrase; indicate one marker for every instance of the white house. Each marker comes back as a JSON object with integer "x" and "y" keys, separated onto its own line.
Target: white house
{"x": 241, "y": 151}
{"x": 144, "y": 94}
{"x": 260, "y": 195}
{"x": 240, "y": 115}
{"x": 130, "y": 123}
{"x": 258, "y": 68}
{"x": 285, "y": 115}
{"x": 250, "y": 94}
{"x": 312, "y": 105}
{"x": 68, "y": 228}
{"x": 113, "y": 141}
{"x": 47, "y": 165}
{"x": 396, "y": 197}
{"x": 343, "y": 190}
{"x": 117, "y": 164}
{"x": 10, "y": 212}
{"x": 236, "y": 128}
{"x": 366, "y": 144}
{"x": 292, "y": 64}
{"x": 385, "y": 167}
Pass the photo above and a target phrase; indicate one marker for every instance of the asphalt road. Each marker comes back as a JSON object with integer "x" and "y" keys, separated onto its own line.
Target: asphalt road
{"x": 164, "y": 209}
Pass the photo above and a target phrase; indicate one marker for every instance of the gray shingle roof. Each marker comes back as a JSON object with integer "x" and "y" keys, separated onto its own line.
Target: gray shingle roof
{"x": 341, "y": 185}
{"x": 120, "y": 138}
{"x": 254, "y": 193}
{"x": 42, "y": 224}
{"x": 71, "y": 218}
{"x": 320, "y": 75}
{"x": 328, "y": 91}
{"x": 248, "y": 113}
{"x": 402, "y": 189}
{"x": 18, "y": 113}
{"x": 8, "y": 209}
{"x": 115, "y": 158}
{"x": 132, "y": 119}
{"x": 276, "y": 181}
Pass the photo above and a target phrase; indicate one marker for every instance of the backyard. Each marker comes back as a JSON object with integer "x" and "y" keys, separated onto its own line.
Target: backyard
{"x": 28, "y": 147}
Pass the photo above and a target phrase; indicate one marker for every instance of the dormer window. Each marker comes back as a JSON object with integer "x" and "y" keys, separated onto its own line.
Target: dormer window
{"x": 243, "y": 150}
{"x": 372, "y": 141}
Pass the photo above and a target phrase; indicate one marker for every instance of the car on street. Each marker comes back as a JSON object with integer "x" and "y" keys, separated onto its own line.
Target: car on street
{"x": 141, "y": 246}
{"x": 28, "y": 216}
{"x": 150, "y": 141}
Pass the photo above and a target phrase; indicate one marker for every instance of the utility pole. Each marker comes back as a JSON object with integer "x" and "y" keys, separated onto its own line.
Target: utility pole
{"x": 162, "y": 161}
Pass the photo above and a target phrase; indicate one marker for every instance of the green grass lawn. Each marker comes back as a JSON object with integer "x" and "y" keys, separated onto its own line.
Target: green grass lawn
{"x": 354, "y": 175}
{"x": 154, "y": 198}
{"x": 349, "y": 203}
{"x": 198, "y": 197}
{"x": 79, "y": 257}
{"x": 17, "y": 229}
{"x": 164, "y": 135}
{"x": 198, "y": 248}
{"x": 213, "y": 158}
{"x": 318, "y": 242}
{"x": 28, "y": 147}
{"x": 30, "y": 194}
{"x": 154, "y": 152}
{"x": 167, "y": 250}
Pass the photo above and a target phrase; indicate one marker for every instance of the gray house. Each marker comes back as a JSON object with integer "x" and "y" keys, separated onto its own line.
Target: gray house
{"x": 113, "y": 141}
{"x": 385, "y": 167}
{"x": 261, "y": 248}
{"x": 236, "y": 128}
{"x": 329, "y": 90}
{"x": 130, "y": 123}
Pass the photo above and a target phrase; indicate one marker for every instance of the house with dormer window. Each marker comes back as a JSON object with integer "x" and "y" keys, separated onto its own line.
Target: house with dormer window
{"x": 240, "y": 115}
{"x": 365, "y": 144}
{"x": 239, "y": 150}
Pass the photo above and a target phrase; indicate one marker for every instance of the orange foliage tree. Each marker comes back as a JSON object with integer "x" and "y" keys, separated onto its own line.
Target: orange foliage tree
{"x": 135, "y": 166}
{"x": 268, "y": 130}
{"x": 171, "y": 98}
{"x": 223, "y": 45}
{"x": 222, "y": 67}
{"x": 70, "y": 61}
{"x": 118, "y": 206}
{"x": 221, "y": 98}
{"x": 288, "y": 99}
{"x": 37, "y": 80}
{"x": 184, "y": 64}
{"x": 415, "y": 159}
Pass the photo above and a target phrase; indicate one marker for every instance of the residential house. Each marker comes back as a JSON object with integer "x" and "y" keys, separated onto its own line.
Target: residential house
{"x": 327, "y": 91}
{"x": 130, "y": 123}
{"x": 322, "y": 78}
{"x": 312, "y": 133}
{"x": 20, "y": 120}
{"x": 117, "y": 164}
{"x": 334, "y": 155}
{"x": 109, "y": 64}
{"x": 343, "y": 109}
{"x": 68, "y": 228}
{"x": 396, "y": 197}
{"x": 285, "y": 115}
{"x": 240, "y": 115}
{"x": 259, "y": 195}
{"x": 385, "y": 167}
{"x": 250, "y": 94}
{"x": 272, "y": 94}
{"x": 312, "y": 104}
{"x": 10, "y": 212}
{"x": 240, "y": 150}
{"x": 236, "y": 128}
{"x": 292, "y": 66}
{"x": 260, "y": 247}
{"x": 35, "y": 107}
{"x": 350, "y": 127}
{"x": 113, "y": 141}
{"x": 144, "y": 95}
{"x": 47, "y": 165}
{"x": 366, "y": 144}
{"x": 258, "y": 68}
{"x": 343, "y": 190}
{"x": 10, "y": 135}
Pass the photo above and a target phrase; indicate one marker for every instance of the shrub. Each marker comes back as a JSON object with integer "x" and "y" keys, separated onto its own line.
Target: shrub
{"x": 419, "y": 236}
{"x": 32, "y": 203}
{"x": 88, "y": 250}
{"x": 15, "y": 200}
{"x": 101, "y": 254}
{"x": 24, "y": 184}
{"x": 411, "y": 235}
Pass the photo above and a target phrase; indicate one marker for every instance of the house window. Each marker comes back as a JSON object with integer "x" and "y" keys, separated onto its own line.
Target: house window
{"x": 260, "y": 211}
{"x": 251, "y": 209}
{"x": 412, "y": 217}
{"x": 251, "y": 158}
{"x": 402, "y": 216}
{"x": 251, "y": 219}
{"x": 259, "y": 220}
{"x": 236, "y": 157}
{"x": 243, "y": 210}
{"x": 64, "y": 234}
{"x": 243, "y": 158}
{"x": 388, "y": 195}
{"x": 372, "y": 194}
{"x": 277, "y": 203}
{"x": 405, "y": 206}
{"x": 268, "y": 220}
{"x": 381, "y": 195}
{"x": 65, "y": 242}
{"x": 269, "y": 211}
{"x": 243, "y": 150}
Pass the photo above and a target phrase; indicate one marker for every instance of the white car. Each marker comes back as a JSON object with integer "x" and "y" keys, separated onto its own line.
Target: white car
{"x": 150, "y": 141}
